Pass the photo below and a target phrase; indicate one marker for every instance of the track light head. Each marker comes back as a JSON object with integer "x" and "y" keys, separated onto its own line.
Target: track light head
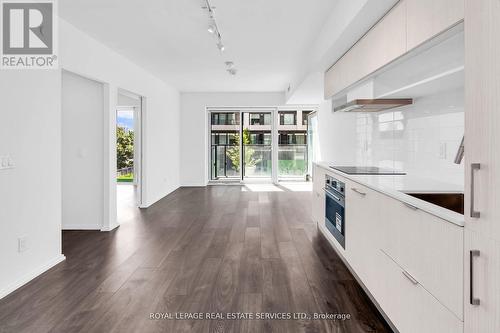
{"x": 211, "y": 29}
{"x": 220, "y": 46}
{"x": 232, "y": 71}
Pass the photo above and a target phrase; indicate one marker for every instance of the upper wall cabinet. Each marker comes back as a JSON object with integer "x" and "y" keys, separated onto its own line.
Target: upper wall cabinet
{"x": 383, "y": 43}
{"x": 407, "y": 25}
{"x": 428, "y": 18}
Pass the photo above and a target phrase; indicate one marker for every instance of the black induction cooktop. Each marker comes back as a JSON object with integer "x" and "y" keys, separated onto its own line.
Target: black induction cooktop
{"x": 357, "y": 170}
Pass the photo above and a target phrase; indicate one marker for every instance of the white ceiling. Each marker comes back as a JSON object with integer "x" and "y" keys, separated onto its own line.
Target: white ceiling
{"x": 265, "y": 38}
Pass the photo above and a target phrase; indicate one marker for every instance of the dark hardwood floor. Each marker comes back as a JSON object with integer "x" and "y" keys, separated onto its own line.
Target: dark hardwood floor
{"x": 218, "y": 249}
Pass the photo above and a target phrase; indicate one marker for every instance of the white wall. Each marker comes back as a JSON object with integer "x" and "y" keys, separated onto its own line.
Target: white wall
{"x": 30, "y": 131}
{"x": 421, "y": 139}
{"x": 194, "y": 122}
{"x": 84, "y": 55}
{"x": 82, "y": 153}
{"x": 30, "y": 194}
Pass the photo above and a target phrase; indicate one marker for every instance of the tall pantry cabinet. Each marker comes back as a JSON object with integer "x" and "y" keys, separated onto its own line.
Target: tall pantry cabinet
{"x": 482, "y": 160}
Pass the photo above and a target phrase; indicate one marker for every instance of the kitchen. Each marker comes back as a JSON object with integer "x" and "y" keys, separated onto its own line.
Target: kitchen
{"x": 390, "y": 195}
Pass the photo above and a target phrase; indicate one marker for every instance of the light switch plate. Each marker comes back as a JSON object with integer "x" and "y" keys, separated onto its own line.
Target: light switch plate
{"x": 443, "y": 147}
{"x": 22, "y": 244}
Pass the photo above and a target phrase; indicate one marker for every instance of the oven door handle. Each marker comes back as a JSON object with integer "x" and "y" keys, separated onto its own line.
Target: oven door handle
{"x": 331, "y": 194}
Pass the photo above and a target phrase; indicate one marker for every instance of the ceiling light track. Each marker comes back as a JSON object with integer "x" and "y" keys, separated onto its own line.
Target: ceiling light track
{"x": 213, "y": 29}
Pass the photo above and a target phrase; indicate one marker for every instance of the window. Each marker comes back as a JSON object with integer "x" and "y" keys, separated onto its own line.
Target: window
{"x": 224, "y": 138}
{"x": 260, "y": 119}
{"x": 292, "y": 138}
{"x": 288, "y": 118}
{"x": 260, "y": 138}
{"x": 225, "y": 118}
{"x": 304, "y": 117}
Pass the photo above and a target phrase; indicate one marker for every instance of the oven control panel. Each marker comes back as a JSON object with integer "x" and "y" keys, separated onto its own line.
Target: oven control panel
{"x": 335, "y": 184}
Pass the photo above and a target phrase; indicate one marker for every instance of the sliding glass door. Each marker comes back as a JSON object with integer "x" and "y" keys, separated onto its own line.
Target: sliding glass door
{"x": 259, "y": 144}
{"x": 225, "y": 146}
{"x": 292, "y": 144}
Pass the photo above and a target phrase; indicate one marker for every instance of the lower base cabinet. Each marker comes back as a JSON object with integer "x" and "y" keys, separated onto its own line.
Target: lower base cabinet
{"x": 410, "y": 261}
{"x": 411, "y": 308}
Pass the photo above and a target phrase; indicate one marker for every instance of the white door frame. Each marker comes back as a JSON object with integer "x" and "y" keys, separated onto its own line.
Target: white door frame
{"x": 138, "y": 142}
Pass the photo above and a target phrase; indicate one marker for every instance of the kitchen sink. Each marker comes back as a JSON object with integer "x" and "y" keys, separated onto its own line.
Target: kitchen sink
{"x": 451, "y": 201}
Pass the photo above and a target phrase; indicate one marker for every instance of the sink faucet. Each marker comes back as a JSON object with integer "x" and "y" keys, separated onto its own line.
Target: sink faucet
{"x": 460, "y": 153}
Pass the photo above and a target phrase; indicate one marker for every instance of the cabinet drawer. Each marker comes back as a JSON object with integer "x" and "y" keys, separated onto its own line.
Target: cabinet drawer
{"x": 362, "y": 230}
{"x": 411, "y": 308}
{"x": 427, "y": 247}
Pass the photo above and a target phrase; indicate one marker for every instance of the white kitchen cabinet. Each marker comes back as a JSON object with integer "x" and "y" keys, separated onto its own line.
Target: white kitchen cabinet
{"x": 385, "y": 42}
{"x": 428, "y": 18}
{"x": 427, "y": 247}
{"x": 335, "y": 78}
{"x": 410, "y": 306}
{"x": 362, "y": 231}
{"x": 318, "y": 199}
{"x": 485, "y": 316}
{"x": 482, "y": 142}
{"x": 482, "y": 116}
{"x": 411, "y": 262}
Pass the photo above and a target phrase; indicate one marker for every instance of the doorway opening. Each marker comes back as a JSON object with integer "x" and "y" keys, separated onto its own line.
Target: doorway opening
{"x": 128, "y": 155}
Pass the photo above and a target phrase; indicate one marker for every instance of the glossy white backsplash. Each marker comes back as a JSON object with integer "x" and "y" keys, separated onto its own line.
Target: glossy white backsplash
{"x": 421, "y": 139}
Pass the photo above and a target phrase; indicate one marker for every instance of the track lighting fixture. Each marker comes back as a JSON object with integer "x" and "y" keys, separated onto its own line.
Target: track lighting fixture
{"x": 230, "y": 68}
{"x": 220, "y": 46}
{"x": 214, "y": 30}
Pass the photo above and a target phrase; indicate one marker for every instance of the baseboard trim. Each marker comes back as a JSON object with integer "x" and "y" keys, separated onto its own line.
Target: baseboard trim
{"x": 194, "y": 185}
{"x": 110, "y": 228}
{"x": 158, "y": 198}
{"x": 81, "y": 227}
{"x": 31, "y": 275}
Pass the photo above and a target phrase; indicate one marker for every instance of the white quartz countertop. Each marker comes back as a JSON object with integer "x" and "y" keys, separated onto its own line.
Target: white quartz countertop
{"x": 395, "y": 186}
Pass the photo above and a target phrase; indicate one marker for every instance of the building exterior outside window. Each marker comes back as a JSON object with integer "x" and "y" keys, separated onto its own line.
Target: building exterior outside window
{"x": 304, "y": 116}
{"x": 260, "y": 119}
{"x": 288, "y": 117}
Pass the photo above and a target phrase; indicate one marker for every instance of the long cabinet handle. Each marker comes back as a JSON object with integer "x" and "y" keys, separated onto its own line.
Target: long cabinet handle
{"x": 473, "y": 212}
{"x": 409, "y": 277}
{"x": 473, "y": 253}
{"x": 358, "y": 191}
{"x": 410, "y": 206}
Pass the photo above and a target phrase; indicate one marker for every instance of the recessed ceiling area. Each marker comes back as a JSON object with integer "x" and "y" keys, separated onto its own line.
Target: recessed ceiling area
{"x": 266, "y": 39}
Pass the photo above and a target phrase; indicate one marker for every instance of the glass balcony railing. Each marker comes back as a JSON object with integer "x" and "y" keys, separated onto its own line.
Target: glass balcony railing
{"x": 258, "y": 161}
{"x": 292, "y": 161}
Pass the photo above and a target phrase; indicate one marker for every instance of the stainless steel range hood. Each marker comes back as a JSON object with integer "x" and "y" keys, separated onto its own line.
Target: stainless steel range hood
{"x": 372, "y": 105}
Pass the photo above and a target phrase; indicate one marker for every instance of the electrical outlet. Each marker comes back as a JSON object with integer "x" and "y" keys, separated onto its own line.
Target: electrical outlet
{"x": 22, "y": 244}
